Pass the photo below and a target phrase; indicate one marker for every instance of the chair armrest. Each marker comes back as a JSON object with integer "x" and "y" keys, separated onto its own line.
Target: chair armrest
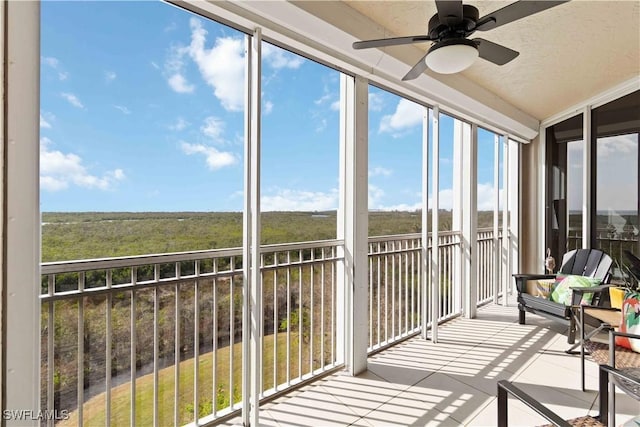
{"x": 590, "y": 289}
{"x": 578, "y": 292}
{"x": 505, "y": 388}
{"x": 533, "y": 276}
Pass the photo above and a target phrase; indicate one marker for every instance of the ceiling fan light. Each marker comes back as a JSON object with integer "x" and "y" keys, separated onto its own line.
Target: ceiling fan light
{"x": 451, "y": 56}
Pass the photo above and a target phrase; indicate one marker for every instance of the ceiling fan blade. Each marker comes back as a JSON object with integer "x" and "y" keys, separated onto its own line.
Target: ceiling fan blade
{"x": 417, "y": 69}
{"x": 449, "y": 11}
{"x": 393, "y": 41}
{"x": 513, "y": 12}
{"x": 494, "y": 52}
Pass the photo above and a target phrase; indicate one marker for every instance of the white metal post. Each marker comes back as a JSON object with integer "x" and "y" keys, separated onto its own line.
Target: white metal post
{"x": 20, "y": 213}
{"x": 435, "y": 206}
{"x": 469, "y": 136}
{"x": 457, "y": 289}
{"x": 347, "y": 108}
{"x": 496, "y": 212}
{"x": 586, "y": 177}
{"x": 425, "y": 223}
{"x": 514, "y": 208}
{"x": 540, "y": 249}
{"x": 506, "y": 253}
{"x": 252, "y": 284}
{"x": 356, "y": 227}
{"x": 256, "y": 278}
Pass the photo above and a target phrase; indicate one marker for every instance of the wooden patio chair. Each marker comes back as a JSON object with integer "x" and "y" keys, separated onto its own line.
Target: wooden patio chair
{"x": 608, "y": 375}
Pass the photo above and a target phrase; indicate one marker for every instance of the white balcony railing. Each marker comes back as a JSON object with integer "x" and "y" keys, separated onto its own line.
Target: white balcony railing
{"x": 157, "y": 338}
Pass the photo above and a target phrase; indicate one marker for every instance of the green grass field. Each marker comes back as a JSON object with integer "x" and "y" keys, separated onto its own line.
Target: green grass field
{"x": 95, "y": 409}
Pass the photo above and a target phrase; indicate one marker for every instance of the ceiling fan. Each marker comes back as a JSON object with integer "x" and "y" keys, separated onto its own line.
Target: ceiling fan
{"x": 452, "y": 51}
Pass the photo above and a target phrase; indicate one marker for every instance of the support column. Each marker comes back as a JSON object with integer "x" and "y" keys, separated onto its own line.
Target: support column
{"x": 425, "y": 224}
{"x": 496, "y": 212}
{"x": 469, "y": 137}
{"x": 353, "y": 221}
{"x": 19, "y": 142}
{"x": 514, "y": 209}
{"x": 435, "y": 206}
{"x": 457, "y": 289}
{"x": 252, "y": 281}
{"x": 586, "y": 178}
{"x": 506, "y": 197}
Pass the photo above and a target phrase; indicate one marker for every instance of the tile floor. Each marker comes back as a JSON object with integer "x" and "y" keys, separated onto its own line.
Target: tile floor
{"x": 453, "y": 382}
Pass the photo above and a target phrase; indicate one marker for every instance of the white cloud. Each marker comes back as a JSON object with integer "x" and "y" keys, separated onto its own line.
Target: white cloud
{"x": 179, "y": 84}
{"x": 375, "y": 194}
{"x": 213, "y": 127}
{"x": 323, "y": 99}
{"x": 267, "y": 108}
{"x": 407, "y": 115}
{"x": 380, "y": 171}
{"x": 55, "y": 64}
{"x": 72, "y": 99}
{"x": 59, "y": 170}
{"x": 282, "y": 199}
{"x": 487, "y": 197}
{"x": 215, "y": 159}
{"x": 222, "y": 66}
{"x": 110, "y": 76}
{"x": 322, "y": 125}
{"x": 376, "y": 102}
{"x": 154, "y": 65}
{"x": 180, "y": 124}
{"x": 335, "y": 106}
{"x": 172, "y": 26}
{"x": 46, "y": 119}
{"x": 50, "y": 61}
{"x": 279, "y": 58}
{"x": 123, "y": 110}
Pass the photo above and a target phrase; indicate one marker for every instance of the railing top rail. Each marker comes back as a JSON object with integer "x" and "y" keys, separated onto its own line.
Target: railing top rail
{"x": 137, "y": 260}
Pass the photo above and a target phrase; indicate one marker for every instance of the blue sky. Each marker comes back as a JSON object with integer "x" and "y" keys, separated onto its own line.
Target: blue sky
{"x": 142, "y": 110}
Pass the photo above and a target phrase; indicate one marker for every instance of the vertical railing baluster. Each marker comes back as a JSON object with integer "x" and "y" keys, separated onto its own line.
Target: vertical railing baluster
{"x": 300, "y": 332}
{"x": 196, "y": 344}
{"x": 178, "y": 339}
{"x": 133, "y": 349}
{"x": 232, "y": 330}
{"x": 214, "y": 344}
{"x": 406, "y": 287}
{"x": 275, "y": 321}
{"x": 80, "y": 391}
{"x": 50, "y": 347}
{"x": 414, "y": 274}
{"x": 333, "y": 303}
{"x": 370, "y": 302}
{"x": 378, "y": 314}
{"x": 109, "y": 337}
{"x": 322, "y": 319}
{"x": 386, "y": 296}
{"x": 288, "y": 365}
{"x": 312, "y": 305}
{"x": 393, "y": 292}
{"x": 156, "y": 342}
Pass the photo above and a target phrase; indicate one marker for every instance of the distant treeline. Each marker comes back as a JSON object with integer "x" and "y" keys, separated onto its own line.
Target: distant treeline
{"x": 86, "y": 235}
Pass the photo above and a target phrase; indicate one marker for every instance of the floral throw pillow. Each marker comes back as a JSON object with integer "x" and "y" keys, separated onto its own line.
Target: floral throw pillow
{"x": 562, "y": 292}
{"x": 630, "y": 321}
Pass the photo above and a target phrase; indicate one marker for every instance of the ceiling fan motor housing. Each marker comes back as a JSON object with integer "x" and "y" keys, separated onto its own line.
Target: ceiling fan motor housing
{"x": 447, "y": 27}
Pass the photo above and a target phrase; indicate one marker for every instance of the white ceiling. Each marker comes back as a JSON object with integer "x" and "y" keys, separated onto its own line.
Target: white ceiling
{"x": 568, "y": 53}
